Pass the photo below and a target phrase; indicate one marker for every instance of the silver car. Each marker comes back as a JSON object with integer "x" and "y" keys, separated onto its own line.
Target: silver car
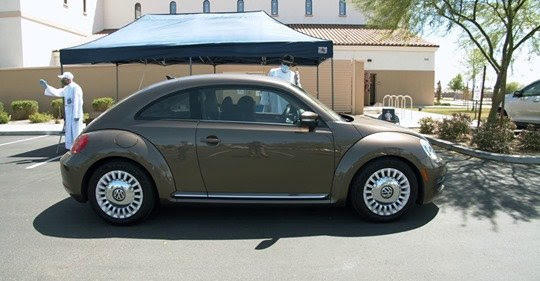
{"x": 523, "y": 106}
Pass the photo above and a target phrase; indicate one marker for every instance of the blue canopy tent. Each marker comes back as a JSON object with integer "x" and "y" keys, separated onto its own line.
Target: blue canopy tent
{"x": 209, "y": 38}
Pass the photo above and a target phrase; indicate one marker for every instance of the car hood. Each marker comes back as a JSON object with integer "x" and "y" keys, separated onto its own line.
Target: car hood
{"x": 367, "y": 126}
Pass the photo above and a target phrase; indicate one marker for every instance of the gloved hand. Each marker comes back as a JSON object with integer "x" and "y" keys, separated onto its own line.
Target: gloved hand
{"x": 43, "y": 84}
{"x": 76, "y": 119}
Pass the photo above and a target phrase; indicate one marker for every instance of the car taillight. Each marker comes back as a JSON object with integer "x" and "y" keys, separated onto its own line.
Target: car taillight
{"x": 80, "y": 144}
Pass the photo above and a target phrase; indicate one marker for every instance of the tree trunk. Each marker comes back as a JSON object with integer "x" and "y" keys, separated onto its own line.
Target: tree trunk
{"x": 499, "y": 91}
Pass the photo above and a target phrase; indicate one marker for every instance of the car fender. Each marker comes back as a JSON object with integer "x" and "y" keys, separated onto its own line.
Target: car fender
{"x": 373, "y": 146}
{"x": 108, "y": 144}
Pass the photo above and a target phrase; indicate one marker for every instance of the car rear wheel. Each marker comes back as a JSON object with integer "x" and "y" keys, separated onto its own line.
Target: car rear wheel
{"x": 121, "y": 193}
{"x": 384, "y": 190}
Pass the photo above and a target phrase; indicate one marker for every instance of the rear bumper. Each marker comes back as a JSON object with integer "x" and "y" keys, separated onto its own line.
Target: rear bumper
{"x": 72, "y": 177}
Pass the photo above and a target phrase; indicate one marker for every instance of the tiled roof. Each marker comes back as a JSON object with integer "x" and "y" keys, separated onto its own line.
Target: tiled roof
{"x": 359, "y": 35}
{"x": 351, "y": 35}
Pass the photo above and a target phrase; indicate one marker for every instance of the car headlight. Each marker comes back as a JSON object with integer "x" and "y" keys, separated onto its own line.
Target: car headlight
{"x": 428, "y": 149}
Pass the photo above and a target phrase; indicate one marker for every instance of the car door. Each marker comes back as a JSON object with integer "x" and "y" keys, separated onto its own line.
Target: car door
{"x": 170, "y": 124}
{"x": 531, "y": 97}
{"x": 250, "y": 145}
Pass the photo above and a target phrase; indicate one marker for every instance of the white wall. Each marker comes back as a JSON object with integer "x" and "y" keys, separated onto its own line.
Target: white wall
{"x": 48, "y": 39}
{"x": 10, "y": 47}
{"x": 389, "y": 58}
{"x": 9, "y": 5}
{"x": 118, "y": 13}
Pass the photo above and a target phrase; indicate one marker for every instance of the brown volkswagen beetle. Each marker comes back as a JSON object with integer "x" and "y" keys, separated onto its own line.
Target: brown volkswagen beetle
{"x": 245, "y": 139}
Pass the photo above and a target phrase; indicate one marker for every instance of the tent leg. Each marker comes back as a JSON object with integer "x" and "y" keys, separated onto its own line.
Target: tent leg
{"x": 317, "y": 81}
{"x": 190, "y": 66}
{"x": 214, "y": 69}
{"x": 332, "y": 66}
{"x": 117, "y": 88}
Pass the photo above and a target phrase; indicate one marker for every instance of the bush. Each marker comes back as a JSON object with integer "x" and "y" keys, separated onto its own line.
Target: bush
{"x": 22, "y": 109}
{"x": 529, "y": 139}
{"x": 495, "y": 137}
{"x": 86, "y": 118}
{"x": 57, "y": 106}
{"x": 455, "y": 128}
{"x": 442, "y": 104}
{"x": 427, "y": 125}
{"x": 40, "y": 117}
{"x": 1, "y": 106}
{"x": 4, "y": 117}
{"x": 102, "y": 104}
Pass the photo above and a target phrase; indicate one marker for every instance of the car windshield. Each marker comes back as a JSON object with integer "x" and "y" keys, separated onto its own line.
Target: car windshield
{"x": 328, "y": 110}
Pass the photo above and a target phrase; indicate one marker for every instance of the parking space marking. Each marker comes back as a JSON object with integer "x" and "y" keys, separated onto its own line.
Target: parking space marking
{"x": 44, "y": 162}
{"x": 12, "y": 142}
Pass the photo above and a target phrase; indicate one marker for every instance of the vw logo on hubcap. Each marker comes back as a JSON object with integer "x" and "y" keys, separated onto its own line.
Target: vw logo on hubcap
{"x": 387, "y": 192}
{"x": 119, "y": 194}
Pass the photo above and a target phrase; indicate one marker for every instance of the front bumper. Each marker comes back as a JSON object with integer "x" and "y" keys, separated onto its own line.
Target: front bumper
{"x": 433, "y": 178}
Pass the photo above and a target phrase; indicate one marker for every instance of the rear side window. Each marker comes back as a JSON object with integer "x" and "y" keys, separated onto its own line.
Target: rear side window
{"x": 178, "y": 105}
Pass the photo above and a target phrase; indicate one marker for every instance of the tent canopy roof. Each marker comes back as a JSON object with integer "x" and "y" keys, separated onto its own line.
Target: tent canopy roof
{"x": 212, "y": 38}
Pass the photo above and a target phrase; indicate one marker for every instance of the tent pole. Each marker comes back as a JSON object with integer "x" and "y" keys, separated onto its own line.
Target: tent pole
{"x": 190, "y": 66}
{"x": 214, "y": 69}
{"x": 117, "y": 83}
{"x": 332, "y": 64}
{"x": 317, "y": 81}
{"x": 61, "y": 69}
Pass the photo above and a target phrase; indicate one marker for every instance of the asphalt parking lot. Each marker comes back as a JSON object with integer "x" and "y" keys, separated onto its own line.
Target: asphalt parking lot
{"x": 485, "y": 227}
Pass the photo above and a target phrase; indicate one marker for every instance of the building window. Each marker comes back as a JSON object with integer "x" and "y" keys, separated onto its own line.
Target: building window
{"x": 84, "y": 6}
{"x": 275, "y": 7}
{"x": 206, "y": 6}
{"x": 342, "y": 7}
{"x": 172, "y": 7}
{"x": 137, "y": 10}
{"x": 309, "y": 8}
{"x": 240, "y": 6}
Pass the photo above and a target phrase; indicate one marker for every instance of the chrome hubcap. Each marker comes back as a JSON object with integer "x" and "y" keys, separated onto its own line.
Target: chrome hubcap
{"x": 119, "y": 194}
{"x": 386, "y": 191}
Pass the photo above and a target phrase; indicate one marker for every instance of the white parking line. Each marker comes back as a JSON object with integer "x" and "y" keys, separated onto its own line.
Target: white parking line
{"x": 44, "y": 162}
{"x": 2, "y": 144}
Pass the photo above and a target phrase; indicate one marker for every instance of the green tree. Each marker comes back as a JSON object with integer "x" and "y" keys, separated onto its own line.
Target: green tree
{"x": 456, "y": 84}
{"x": 439, "y": 92}
{"x": 498, "y": 28}
{"x": 474, "y": 63}
{"x": 512, "y": 87}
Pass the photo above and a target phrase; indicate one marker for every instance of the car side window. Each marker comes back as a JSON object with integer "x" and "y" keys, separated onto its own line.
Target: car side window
{"x": 178, "y": 105}
{"x": 534, "y": 90}
{"x": 247, "y": 104}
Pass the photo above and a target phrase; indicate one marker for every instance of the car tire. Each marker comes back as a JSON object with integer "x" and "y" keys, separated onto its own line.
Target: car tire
{"x": 121, "y": 193}
{"x": 384, "y": 190}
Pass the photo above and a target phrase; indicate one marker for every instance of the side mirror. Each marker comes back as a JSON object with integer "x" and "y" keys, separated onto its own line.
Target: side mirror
{"x": 518, "y": 94}
{"x": 309, "y": 119}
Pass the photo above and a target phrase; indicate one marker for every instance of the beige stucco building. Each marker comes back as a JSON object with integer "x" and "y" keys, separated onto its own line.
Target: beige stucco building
{"x": 368, "y": 63}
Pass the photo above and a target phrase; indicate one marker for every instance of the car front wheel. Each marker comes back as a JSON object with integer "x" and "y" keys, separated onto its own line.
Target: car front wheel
{"x": 384, "y": 190}
{"x": 121, "y": 193}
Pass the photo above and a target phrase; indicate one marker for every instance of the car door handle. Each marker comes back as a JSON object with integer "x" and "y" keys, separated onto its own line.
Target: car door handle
{"x": 211, "y": 140}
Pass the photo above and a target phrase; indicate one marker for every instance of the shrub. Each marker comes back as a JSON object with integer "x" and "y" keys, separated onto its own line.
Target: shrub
{"x": 57, "y": 106}
{"x": 442, "y": 103}
{"x": 102, "y": 104}
{"x": 22, "y": 109}
{"x": 1, "y": 106}
{"x": 454, "y": 129}
{"x": 529, "y": 139}
{"x": 427, "y": 125}
{"x": 4, "y": 117}
{"x": 86, "y": 118}
{"x": 495, "y": 137}
{"x": 40, "y": 117}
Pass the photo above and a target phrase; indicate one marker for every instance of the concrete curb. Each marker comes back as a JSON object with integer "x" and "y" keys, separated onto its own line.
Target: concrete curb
{"x": 28, "y": 133}
{"x": 517, "y": 159}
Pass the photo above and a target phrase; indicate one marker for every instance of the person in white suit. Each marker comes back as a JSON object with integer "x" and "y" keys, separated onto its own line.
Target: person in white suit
{"x": 272, "y": 102}
{"x": 73, "y": 105}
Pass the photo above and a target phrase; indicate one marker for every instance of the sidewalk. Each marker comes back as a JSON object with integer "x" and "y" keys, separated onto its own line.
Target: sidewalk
{"x": 24, "y": 127}
{"x": 407, "y": 118}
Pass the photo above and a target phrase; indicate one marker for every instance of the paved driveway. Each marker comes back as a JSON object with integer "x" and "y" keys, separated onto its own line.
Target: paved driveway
{"x": 485, "y": 227}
